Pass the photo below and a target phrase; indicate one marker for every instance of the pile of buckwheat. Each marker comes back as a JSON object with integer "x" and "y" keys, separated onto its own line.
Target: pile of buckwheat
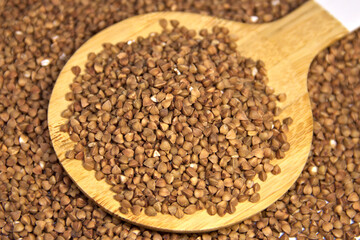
{"x": 176, "y": 123}
{"x": 39, "y": 201}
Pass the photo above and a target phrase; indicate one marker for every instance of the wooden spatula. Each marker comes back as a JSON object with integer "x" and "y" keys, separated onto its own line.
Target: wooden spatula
{"x": 286, "y": 46}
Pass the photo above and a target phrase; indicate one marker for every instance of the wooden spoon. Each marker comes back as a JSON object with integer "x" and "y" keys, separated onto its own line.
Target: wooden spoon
{"x": 286, "y": 46}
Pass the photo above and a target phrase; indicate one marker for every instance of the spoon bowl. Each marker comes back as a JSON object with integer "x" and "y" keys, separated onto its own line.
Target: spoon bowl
{"x": 286, "y": 46}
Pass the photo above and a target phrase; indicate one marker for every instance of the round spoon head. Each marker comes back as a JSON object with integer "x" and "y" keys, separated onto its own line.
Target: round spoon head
{"x": 297, "y": 106}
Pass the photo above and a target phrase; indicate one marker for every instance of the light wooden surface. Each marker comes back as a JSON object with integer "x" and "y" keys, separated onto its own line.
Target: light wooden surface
{"x": 287, "y": 47}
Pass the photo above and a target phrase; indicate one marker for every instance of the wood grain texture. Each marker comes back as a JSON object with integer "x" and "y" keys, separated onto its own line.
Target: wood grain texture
{"x": 286, "y": 46}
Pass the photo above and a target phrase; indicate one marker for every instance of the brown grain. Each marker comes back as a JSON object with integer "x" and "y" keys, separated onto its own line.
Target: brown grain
{"x": 32, "y": 31}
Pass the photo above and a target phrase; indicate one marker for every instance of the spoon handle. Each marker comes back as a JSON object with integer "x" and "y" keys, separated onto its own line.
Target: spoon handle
{"x": 303, "y": 33}
{"x": 288, "y": 45}
{"x": 346, "y": 11}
